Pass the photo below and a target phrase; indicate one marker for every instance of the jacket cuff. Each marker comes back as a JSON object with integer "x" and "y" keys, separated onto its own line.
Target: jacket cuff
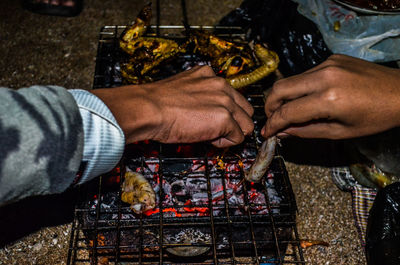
{"x": 104, "y": 140}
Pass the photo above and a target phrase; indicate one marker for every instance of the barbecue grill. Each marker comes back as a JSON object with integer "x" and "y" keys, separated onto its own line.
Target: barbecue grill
{"x": 203, "y": 214}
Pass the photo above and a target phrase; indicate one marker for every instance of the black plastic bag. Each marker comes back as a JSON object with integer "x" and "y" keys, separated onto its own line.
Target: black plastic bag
{"x": 383, "y": 230}
{"x": 296, "y": 39}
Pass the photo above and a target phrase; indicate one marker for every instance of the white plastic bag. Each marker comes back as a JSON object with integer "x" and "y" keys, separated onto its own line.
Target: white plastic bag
{"x": 374, "y": 38}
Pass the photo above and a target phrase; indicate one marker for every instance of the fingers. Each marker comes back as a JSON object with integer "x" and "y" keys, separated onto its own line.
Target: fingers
{"x": 235, "y": 137}
{"x": 204, "y": 79}
{"x": 302, "y": 110}
{"x": 227, "y": 109}
{"x": 244, "y": 120}
{"x": 232, "y": 110}
{"x": 240, "y": 109}
{"x": 200, "y": 71}
{"x": 314, "y": 80}
{"x": 334, "y": 100}
{"x": 232, "y": 133}
{"x": 203, "y": 71}
{"x": 327, "y": 130}
{"x": 223, "y": 86}
{"x": 197, "y": 72}
{"x": 241, "y": 101}
{"x": 291, "y": 88}
{"x": 224, "y": 115}
{"x": 218, "y": 83}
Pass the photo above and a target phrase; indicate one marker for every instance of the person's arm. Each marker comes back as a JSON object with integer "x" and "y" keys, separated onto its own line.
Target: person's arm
{"x": 343, "y": 97}
{"x": 41, "y": 141}
{"x": 192, "y": 106}
{"x": 48, "y": 133}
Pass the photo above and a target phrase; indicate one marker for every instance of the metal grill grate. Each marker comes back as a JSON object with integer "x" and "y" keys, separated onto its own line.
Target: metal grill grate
{"x": 111, "y": 234}
{"x": 105, "y": 231}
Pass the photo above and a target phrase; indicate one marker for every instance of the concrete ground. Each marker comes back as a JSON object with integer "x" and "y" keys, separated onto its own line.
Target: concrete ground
{"x": 36, "y": 49}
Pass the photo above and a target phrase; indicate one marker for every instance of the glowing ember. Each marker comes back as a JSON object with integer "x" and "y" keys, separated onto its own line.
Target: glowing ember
{"x": 185, "y": 187}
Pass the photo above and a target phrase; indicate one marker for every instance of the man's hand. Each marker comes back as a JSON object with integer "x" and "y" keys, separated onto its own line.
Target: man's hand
{"x": 343, "y": 97}
{"x": 192, "y": 106}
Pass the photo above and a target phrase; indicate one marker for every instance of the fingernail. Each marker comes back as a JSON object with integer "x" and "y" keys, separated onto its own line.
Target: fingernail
{"x": 263, "y": 130}
{"x": 283, "y": 135}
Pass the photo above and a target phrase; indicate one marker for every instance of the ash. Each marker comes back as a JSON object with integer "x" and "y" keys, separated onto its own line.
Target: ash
{"x": 189, "y": 235}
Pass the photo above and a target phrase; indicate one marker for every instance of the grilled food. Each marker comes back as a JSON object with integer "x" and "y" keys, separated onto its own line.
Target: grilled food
{"x": 137, "y": 191}
{"x": 264, "y": 158}
{"x": 231, "y": 60}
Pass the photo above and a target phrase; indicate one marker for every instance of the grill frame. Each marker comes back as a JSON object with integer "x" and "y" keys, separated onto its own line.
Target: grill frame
{"x": 106, "y": 75}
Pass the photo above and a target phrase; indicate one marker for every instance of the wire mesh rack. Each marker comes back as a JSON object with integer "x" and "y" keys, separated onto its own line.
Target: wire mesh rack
{"x": 203, "y": 214}
{"x": 105, "y": 229}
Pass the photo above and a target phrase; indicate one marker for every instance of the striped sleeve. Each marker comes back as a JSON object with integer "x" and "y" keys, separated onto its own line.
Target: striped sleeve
{"x": 104, "y": 140}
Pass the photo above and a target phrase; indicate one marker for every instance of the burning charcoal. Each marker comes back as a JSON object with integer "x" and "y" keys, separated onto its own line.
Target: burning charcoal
{"x": 176, "y": 166}
{"x": 178, "y": 187}
{"x": 187, "y": 196}
{"x": 179, "y": 193}
{"x": 196, "y": 184}
{"x": 200, "y": 198}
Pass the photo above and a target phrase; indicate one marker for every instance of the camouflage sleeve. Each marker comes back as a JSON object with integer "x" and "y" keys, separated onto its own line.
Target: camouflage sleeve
{"x": 41, "y": 141}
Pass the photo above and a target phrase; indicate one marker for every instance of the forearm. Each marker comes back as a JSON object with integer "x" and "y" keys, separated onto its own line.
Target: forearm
{"x": 134, "y": 110}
